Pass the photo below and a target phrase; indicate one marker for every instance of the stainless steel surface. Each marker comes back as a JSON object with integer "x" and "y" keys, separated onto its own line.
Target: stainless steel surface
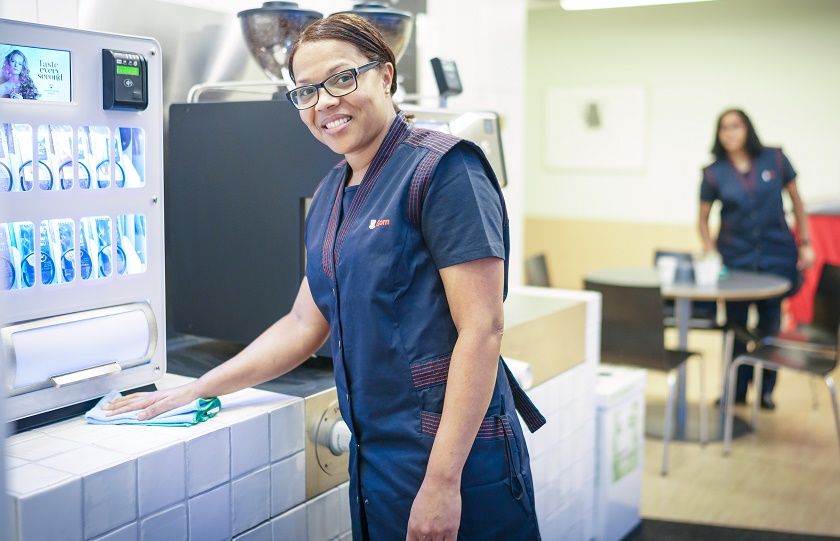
{"x": 395, "y": 25}
{"x": 324, "y": 468}
{"x": 194, "y": 95}
{"x": 271, "y": 31}
{"x": 480, "y": 127}
{"x": 86, "y": 374}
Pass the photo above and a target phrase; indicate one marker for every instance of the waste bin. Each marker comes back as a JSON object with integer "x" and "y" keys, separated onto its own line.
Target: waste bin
{"x": 619, "y": 450}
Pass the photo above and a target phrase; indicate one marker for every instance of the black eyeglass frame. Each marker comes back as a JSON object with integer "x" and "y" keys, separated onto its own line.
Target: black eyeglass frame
{"x": 355, "y": 72}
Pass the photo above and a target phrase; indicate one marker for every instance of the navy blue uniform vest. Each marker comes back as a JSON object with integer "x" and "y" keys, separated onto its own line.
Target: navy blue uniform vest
{"x": 753, "y": 232}
{"x": 392, "y": 338}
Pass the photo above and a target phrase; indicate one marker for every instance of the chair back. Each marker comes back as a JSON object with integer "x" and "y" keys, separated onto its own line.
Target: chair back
{"x": 827, "y": 300}
{"x": 536, "y": 271}
{"x": 632, "y": 332}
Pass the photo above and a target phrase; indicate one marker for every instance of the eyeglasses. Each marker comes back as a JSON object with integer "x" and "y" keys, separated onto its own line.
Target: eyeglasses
{"x": 340, "y": 84}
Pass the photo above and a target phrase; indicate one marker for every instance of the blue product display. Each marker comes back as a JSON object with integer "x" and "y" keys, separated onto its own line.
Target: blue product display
{"x": 120, "y": 260}
{"x": 7, "y": 273}
{"x": 28, "y": 270}
{"x": 85, "y": 263}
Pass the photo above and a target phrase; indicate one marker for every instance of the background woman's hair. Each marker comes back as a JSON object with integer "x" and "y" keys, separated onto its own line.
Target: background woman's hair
{"x": 351, "y": 29}
{"x": 752, "y": 145}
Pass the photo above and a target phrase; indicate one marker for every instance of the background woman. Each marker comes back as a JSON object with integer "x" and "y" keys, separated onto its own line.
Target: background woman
{"x": 748, "y": 179}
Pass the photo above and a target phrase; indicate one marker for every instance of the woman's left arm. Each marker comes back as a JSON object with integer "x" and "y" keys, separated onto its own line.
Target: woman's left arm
{"x": 474, "y": 292}
{"x": 806, "y": 253}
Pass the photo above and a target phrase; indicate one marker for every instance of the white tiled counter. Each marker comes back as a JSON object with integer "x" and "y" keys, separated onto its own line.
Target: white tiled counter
{"x": 563, "y": 450}
{"x": 240, "y": 475}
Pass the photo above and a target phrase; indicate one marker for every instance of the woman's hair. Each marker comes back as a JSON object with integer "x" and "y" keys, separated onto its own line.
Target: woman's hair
{"x": 26, "y": 85}
{"x": 752, "y": 145}
{"x": 350, "y": 29}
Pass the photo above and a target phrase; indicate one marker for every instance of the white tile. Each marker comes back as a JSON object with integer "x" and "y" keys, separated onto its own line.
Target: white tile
{"x": 260, "y": 533}
{"x": 288, "y": 484}
{"x": 322, "y": 518}
{"x": 161, "y": 479}
{"x": 249, "y": 445}
{"x": 85, "y": 460}
{"x": 126, "y": 533}
{"x": 543, "y": 501}
{"x": 30, "y": 478}
{"x": 13, "y": 462}
{"x": 251, "y": 497}
{"x": 209, "y": 515}
{"x": 44, "y": 446}
{"x": 551, "y": 527}
{"x": 23, "y": 436}
{"x": 348, "y": 536}
{"x": 110, "y": 498}
{"x": 344, "y": 507}
{"x": 87, "y": 433}
{"x": 287, "y": 430}
{"x": 54, "y": 513}
{"x": 208, "y": 461}
{"x": 168, "y": 524}
{"x": 291, "y": 526}
{"x": 51, "y": 429}
{"x": 140, "y": 440}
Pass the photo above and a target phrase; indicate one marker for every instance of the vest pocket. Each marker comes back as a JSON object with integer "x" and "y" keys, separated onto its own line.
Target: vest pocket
{"x": 430, "y": 372}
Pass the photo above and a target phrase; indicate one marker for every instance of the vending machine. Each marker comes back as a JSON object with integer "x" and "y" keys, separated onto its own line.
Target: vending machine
{"x": 81, "y": 215}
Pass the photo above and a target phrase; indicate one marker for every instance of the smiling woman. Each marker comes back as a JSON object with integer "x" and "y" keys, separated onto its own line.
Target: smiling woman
{"x": 407, "y": 244}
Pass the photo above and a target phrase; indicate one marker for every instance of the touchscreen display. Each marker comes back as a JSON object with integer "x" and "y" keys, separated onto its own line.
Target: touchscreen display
{"x": 34, "y": 73}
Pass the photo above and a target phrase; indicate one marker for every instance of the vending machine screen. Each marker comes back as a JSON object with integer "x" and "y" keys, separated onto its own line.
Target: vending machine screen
{"x": 35, "y": 73}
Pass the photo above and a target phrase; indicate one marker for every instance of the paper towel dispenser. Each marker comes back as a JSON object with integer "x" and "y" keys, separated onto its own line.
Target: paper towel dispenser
{"x": 59, "y": 361}
{"x": 74, "y": 348}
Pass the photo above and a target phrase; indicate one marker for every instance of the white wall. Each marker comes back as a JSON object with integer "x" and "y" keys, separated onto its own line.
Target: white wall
{"x": 487, "y": 39}
{"x": 776, "y": 58}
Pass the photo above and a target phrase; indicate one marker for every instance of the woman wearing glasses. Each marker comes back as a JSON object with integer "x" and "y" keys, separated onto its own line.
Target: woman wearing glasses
{"x": 749, "y": 180}
{"x": 407, "y": 243}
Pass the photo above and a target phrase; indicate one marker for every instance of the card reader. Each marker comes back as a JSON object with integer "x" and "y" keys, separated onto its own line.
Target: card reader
{"x": 125, "y": 82}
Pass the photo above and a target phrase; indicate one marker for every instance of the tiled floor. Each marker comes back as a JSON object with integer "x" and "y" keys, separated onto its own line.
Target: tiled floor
{"x": 784, "y": 477}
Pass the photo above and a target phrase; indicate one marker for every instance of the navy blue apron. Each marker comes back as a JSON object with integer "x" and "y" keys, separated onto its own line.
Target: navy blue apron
{"x": 392, "y": 338}
{"x": 753, "y": 232}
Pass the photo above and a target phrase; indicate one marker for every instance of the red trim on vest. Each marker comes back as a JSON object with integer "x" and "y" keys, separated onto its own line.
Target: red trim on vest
{"x": 493, "y": 427}
{"x": 432, "y": 372}
{"x": 438, "y": 144}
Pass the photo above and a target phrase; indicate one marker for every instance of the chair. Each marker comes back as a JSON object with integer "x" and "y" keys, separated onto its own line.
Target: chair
{"x": 536, "y": 271}
{"x": 632, "y": 333}
{"x": 812, "y": 349}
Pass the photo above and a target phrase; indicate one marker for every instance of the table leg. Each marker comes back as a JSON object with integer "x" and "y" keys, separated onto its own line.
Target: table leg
{"x": 682, "y": 312}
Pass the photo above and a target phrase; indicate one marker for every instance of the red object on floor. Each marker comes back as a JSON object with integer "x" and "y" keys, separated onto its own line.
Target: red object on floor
{"x": 825, "y": 240}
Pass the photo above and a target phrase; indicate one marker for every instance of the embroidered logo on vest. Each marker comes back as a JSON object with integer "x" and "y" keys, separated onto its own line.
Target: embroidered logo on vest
{"x": 378, "y": 223}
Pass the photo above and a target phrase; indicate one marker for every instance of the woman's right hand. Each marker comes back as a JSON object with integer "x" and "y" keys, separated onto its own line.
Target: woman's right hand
{"x": 152, "y": 404}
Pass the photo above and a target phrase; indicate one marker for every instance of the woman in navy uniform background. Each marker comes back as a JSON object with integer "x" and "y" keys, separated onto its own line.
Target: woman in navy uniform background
{"x": 748, "y": 179}
{"x": 407, "y": 245}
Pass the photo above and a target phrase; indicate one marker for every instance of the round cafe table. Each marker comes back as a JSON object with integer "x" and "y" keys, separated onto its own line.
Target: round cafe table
{"x": 737, "y": 286}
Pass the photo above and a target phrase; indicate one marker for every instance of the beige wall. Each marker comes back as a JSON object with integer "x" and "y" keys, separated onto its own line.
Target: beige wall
{"x": 776, "y": 58}
{"x": 576, "y": 247}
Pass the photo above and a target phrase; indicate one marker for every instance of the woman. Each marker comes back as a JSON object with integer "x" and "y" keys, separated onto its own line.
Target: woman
{"x": 15, "y": 81}
{"x": 749, "y": 178}
{"x": 407, "y": 243}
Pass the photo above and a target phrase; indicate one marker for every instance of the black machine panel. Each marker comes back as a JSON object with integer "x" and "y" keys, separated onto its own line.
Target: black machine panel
{"x": 238, "y": 175}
